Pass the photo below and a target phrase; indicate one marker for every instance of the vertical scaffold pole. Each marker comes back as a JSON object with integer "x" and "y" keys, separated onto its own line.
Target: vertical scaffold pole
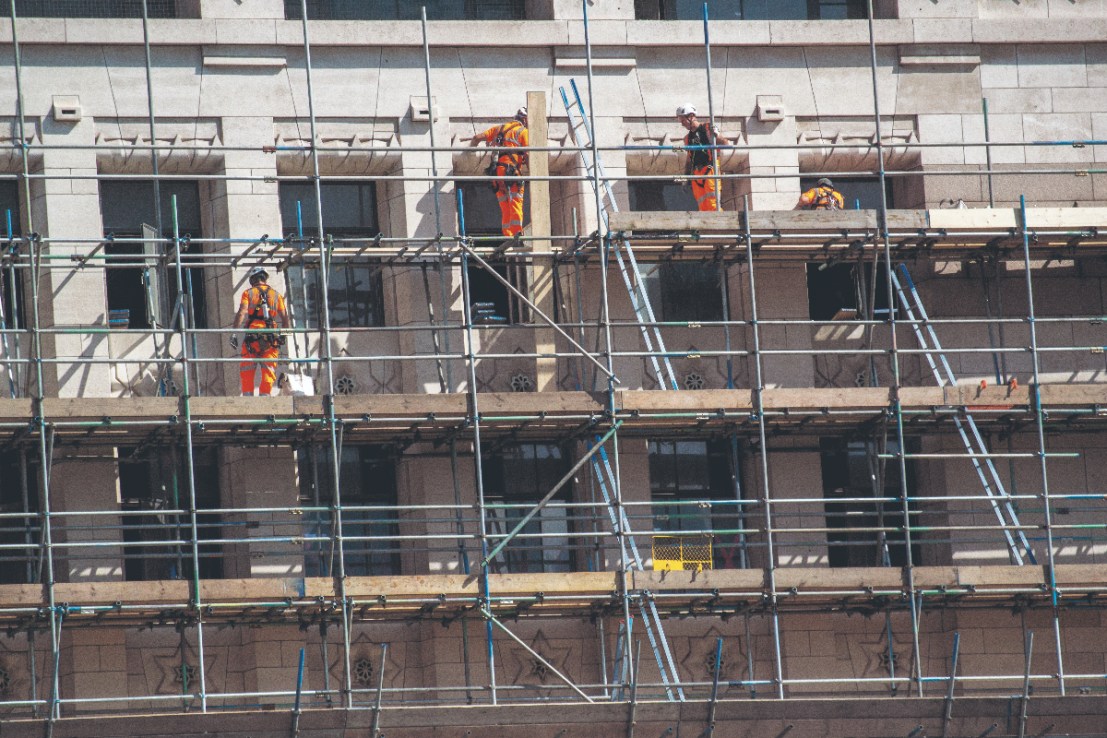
{"x": 328, "y": 363}
{"x": 186, "y": 408}
{"x": 711, "y": 114}
{"x": 33, "y": 245}
{"x": 1039, "y": 423}
{"x": 443, "y": 375}
{"x": 605, "y": 320}
{"x": 478, "y": 470}
{"x": 763, "y": 456}
{"x": 882, "y": 222}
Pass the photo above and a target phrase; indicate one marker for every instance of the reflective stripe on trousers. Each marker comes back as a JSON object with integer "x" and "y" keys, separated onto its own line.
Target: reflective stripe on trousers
{"x": 704, "y": 188}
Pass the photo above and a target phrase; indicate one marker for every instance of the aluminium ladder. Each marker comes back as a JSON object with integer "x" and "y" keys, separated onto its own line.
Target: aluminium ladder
{"x": 581, "y": 134}
{"x": 663, "y": 370}
{"x": 973, "y": 440}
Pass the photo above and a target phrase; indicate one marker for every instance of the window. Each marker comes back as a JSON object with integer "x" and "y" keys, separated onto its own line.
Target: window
{"x": 19, "y": 525}
{"x": 678, "y": 290}
{"x": 355, "y": 285}
{"x": 492, "y": 302}
{"x": 399, "y": 10}
{"x": 693, "y": 488}
{"x": 11, "y": 280}
{"x": 852, "y": 470}
{"x": 684, "y": 290}
{"x": 836, "y": 291}
{"x": 514, "y": 480}
{"x": 90, "y": 9}
{"x": 367, "y": 475}
{"x": 750, "y": 9}
{"x": 859, "y": 192}
{"x": 142, "y": 291}
{"x": 157, "y": 480}
{"x": 660, "y": 195}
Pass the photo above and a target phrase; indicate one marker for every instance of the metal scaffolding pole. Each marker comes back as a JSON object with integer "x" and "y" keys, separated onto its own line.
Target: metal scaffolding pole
{"x": 473, "y": 416}
{"x": 758, "y": 390}
{"x": 186, "y": 398}
{"x": 33, "y": 245}
{"x": 882, "y": 224}
{"x": 328, "y": 365}
{"x": 1039, "y": 426}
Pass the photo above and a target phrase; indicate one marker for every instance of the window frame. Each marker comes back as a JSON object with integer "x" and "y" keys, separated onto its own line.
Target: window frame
{"x": 145, "y": 266}
{"x": 348, "y": 10}
{"x": 721, "y": 476}
{"x": 140, "y": 471}
{"x": 550, "y": 553}
{"x": 374, "y": 471}
{"x": 304, "y": 282}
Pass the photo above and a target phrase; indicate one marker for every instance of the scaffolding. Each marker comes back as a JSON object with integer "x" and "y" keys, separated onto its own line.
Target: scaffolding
{"x": 592, "y": 413}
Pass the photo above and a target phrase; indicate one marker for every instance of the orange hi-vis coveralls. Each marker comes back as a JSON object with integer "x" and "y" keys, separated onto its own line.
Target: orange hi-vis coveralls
{"x": 704, "y": 184}
{"x": 822, "y": 198}
{"x": 509, "y": 192}
{"x": 260, "y": 348}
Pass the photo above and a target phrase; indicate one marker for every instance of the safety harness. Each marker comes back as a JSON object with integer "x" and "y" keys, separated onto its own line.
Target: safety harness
{"x": 825, "y": 199}
{"x": 261, "y": 312}
{"x": 507, "y": 133}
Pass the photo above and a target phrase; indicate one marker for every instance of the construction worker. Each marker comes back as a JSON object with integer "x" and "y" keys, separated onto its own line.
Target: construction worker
{"x": 261, "y": 306}
{"x": 507, "y": 166}
{"x": 699, "y": 165}
{"x": 822, "y": 196}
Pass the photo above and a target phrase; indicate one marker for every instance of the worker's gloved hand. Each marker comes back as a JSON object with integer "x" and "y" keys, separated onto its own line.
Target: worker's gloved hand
{"x": 282, "y": 340}
{"x": 234, "y": 341}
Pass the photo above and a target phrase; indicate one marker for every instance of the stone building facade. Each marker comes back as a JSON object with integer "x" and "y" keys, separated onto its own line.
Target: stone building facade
{"x": 172, "y": 564}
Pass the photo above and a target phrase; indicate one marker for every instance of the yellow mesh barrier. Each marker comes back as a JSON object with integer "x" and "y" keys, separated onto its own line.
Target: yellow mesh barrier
{"x": 681, "y": 553}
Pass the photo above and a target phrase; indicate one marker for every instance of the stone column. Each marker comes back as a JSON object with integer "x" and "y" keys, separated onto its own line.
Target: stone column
{"x": 411, "y": 213}
{"x": 66, "y": 206}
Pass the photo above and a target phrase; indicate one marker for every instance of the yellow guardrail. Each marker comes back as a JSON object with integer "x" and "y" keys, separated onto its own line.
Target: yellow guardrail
{"x": 682, "y": 553}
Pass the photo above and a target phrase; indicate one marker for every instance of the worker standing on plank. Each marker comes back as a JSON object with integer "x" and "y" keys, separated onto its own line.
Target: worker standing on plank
{"x": 261, "y": 307}
{"x": 822, "y": 196}
{"x": 507, "y": 166}
{"x": 700, "y": 165}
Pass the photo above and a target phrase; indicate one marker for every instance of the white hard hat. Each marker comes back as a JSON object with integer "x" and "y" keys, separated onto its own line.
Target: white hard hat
{"x": 521, "y": 112}
{"x": 258, "y": 272}
{"x": 686, "y": 109}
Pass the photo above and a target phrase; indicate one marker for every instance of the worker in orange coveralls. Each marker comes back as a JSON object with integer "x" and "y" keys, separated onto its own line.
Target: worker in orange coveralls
{"x": 261, "y": 307}
{"x": 507, "y": 166}
{"x": 822, "y": 196}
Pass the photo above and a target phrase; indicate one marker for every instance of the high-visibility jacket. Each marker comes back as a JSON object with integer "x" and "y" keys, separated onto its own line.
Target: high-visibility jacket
{"x": 822, "y": 198}
{"x": 264, "y": 307}
{"x": 512, "y": 133}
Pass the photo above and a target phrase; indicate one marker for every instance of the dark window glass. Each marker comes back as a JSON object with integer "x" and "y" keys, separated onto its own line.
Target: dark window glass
{"x": 142, "y": 291}
{"x": 677, "y": 290}
{"x": 750, "y": 9}
{"x": 399, "y": 10}
{"x": 19, "y": 526}
{"x": 851, "y": 471}
{"x": 355, "y": 284}
{"x": 838, "y": 291}
{"x": 684, "y": 290}
{"x": 514, "y": 479}
{"x": 660, "y": 195}
{"x": 367, "y": 475}
{"x": 90, "y": 9}
{"x": 152, "y": 482}
{"x": 859, "y": 192}
{"x": 692, "y": 486}
{"x": 491, "y": 301}
{"x": 12, "y": 313}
